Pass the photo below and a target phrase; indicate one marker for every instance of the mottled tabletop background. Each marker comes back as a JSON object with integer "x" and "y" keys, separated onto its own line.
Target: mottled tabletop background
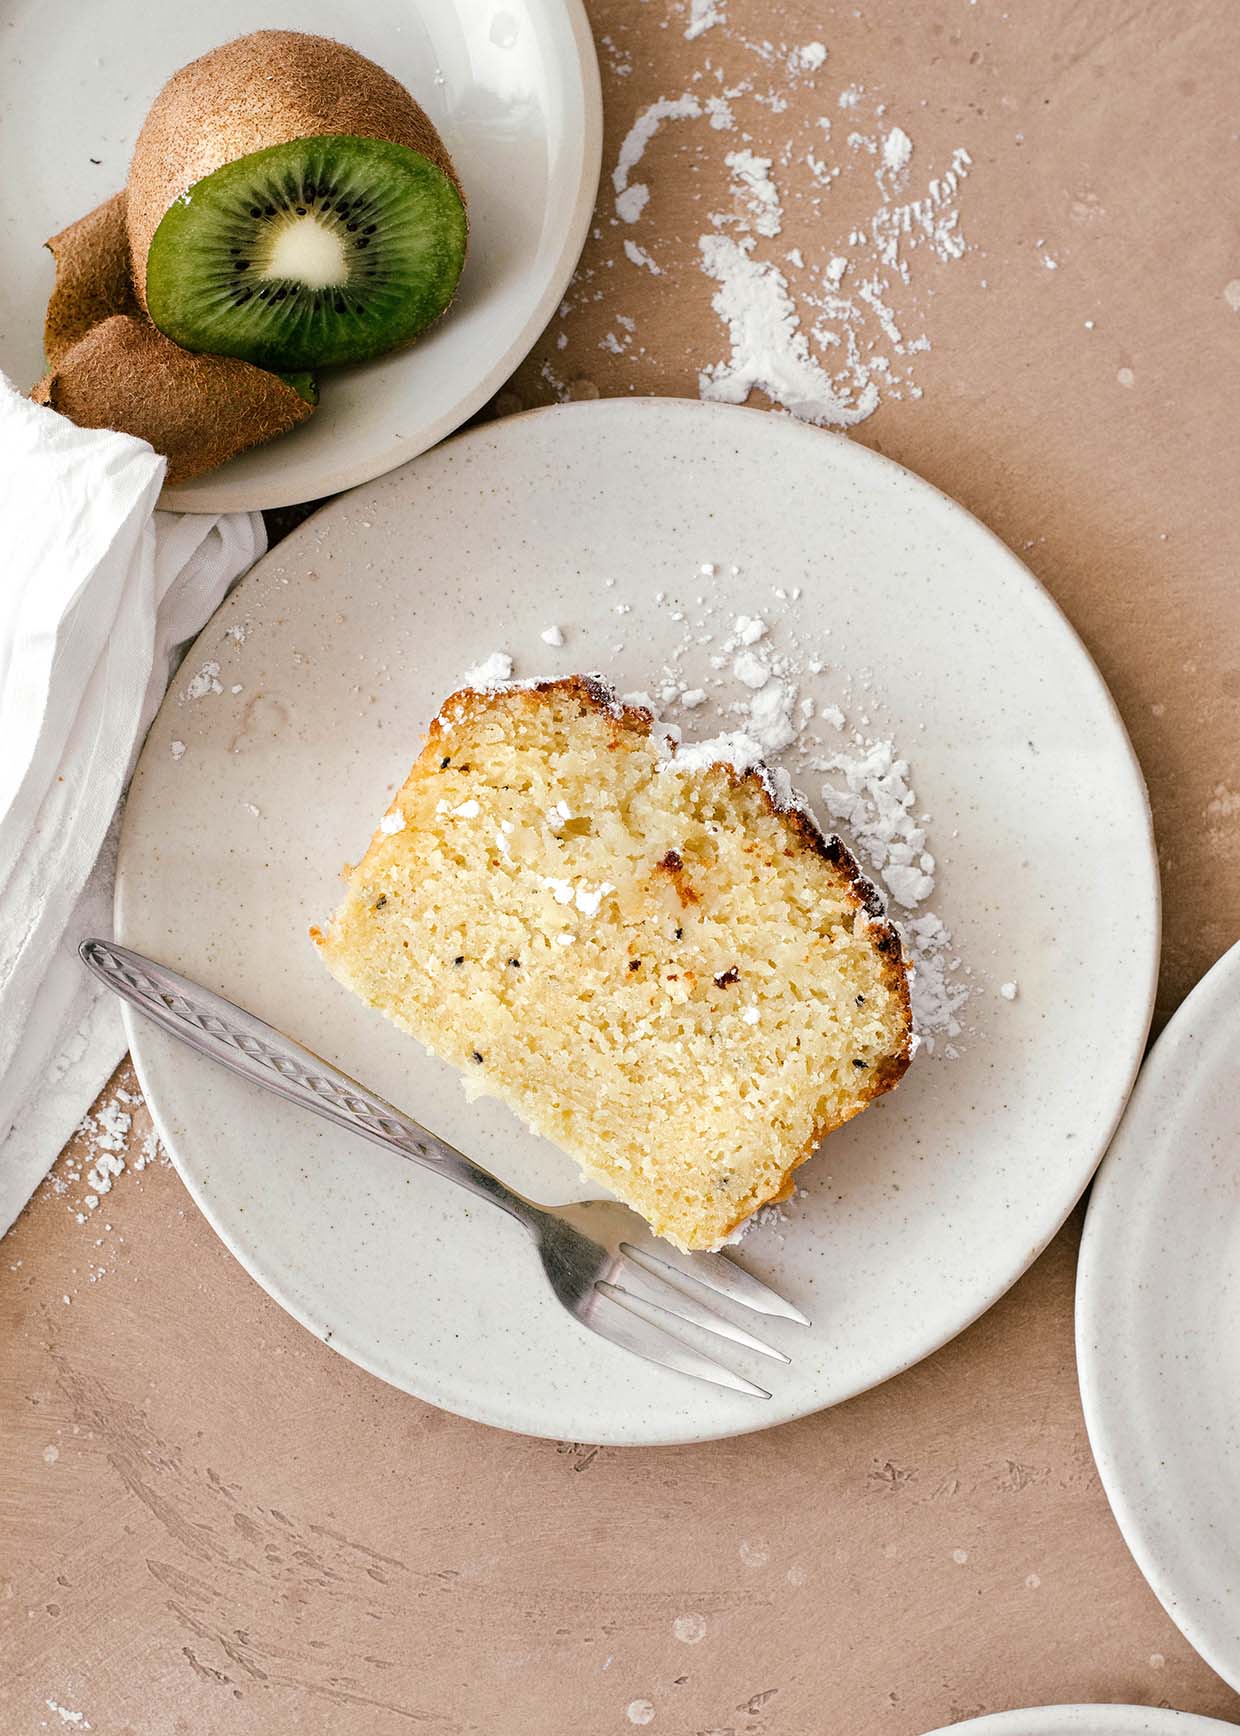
{"x": 213, "y": 1525}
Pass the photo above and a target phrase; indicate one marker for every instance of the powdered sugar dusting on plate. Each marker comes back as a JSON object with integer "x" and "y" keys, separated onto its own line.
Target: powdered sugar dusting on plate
{"x": 491, "y": 672}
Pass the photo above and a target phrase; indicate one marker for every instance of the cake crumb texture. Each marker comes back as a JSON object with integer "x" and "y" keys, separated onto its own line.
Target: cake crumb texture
{"x": 668, "y": 973}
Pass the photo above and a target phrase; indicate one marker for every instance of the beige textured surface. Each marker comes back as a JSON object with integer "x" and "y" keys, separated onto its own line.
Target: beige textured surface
{"x": 213, "y": 1525}
{"x": 240, "y": 1533}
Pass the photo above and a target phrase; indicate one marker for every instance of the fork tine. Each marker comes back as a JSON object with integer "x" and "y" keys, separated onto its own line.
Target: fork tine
{"x": 611, "y": 1313}
{"x": 719, "y": 1273}
{"x": 687, "y": 1307}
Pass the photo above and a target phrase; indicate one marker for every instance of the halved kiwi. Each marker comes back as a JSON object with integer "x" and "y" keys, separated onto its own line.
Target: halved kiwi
{"x": 321, "y": 250}
{"x": 290, "y": 204}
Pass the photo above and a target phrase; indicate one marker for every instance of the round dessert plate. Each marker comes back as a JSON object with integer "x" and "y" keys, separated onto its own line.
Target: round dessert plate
{"x": 1158, "y": 1320}
{"x": 1088, "y": 1721}
{"x": 513, "y": 87}
{"x": 640, "y": 528}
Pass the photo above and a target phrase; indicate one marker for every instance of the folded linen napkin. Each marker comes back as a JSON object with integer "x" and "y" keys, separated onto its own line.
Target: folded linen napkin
{"x": 98, "y": 594}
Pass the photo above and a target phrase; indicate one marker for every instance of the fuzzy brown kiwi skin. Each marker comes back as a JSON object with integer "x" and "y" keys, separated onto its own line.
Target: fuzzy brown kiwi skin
{"x": 197, "y": 410}
{"x": 265, "y": 89}
{"x": 92, "y": 277}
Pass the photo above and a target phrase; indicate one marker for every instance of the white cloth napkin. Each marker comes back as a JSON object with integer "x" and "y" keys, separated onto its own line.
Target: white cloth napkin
{"x": 98, "y": 593}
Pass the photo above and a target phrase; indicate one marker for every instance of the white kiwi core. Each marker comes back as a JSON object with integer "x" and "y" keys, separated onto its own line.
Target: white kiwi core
{"x": 308, "y": 252}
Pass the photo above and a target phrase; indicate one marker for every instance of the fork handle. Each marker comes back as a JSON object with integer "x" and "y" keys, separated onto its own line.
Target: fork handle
{"x": 243, "y": 1043}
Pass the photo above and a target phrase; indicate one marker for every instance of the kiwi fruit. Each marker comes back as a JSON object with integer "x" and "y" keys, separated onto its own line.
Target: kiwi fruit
{"x": 291, "y": 204}
{"x": 304, "y": 383}
{"x": 92, "y": 277}
{"x": 196, "y": 410}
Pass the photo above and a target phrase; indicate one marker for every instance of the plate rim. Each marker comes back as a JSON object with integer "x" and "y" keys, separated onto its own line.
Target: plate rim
{"x": 1091, "y": 1292}
{"x": 1101, "y": 1718}
{"x": 213, "y": 494}
{"x": 862, "y": 456}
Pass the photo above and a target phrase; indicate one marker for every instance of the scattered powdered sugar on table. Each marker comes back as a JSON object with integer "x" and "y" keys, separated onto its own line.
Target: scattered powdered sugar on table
{"x": 769, "y": 351}
{"x": 753, "y": 187}
{"x": 631, "y": 197}
{"x": 703, "y": 16}
{"x": 897, "y": 150}
{"x": 106, "y": 1149}
{"x": 77, "y": 1720}
{"x": 828, "y": 326}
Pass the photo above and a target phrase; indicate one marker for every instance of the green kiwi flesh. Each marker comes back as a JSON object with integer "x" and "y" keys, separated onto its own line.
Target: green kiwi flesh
{"x": 304, "y": 384}
{"x": 317, "y": 251}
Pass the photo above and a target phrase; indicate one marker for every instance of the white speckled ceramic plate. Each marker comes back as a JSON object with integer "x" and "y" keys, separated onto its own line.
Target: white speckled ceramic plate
{"x": 513, "y": 87}
{"x": 332, "y": 657}
{"x": 1158, "y": 1320}
{"x": 1088, "y": 1721}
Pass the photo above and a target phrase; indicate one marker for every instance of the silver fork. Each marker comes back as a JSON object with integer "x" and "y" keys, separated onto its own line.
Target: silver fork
{"x": 588, "y": 1250}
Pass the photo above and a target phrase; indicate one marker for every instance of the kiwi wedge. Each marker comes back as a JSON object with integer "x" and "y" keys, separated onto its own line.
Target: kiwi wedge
{"x": 198, "y": 411}
{"x": 290, "y": 204}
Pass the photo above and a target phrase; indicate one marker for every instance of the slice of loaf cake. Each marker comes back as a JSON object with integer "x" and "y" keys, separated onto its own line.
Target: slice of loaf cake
{"x": 651, "y": 954}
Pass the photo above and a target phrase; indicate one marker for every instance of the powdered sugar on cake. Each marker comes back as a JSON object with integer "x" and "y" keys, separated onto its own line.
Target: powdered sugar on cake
{"x": 757, "y": 666}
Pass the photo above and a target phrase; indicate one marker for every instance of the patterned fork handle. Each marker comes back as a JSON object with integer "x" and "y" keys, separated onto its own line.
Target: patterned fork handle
{"x": 243, "y": 1043}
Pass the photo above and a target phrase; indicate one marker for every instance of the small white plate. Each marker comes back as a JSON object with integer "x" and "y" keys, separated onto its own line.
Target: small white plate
{"x": 1158, "y": 1320}
{"x": 1088, "y": 1721}
{"x": 513, "y": 87}
{"x": 917, "y": 1215}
